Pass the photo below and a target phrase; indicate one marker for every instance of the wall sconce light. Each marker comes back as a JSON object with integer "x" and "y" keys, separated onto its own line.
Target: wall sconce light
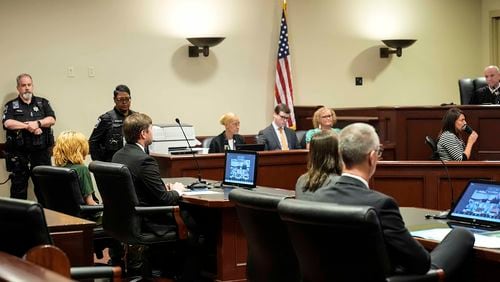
{"x": 397, "y": 44}
{"x": 201, "y": 45}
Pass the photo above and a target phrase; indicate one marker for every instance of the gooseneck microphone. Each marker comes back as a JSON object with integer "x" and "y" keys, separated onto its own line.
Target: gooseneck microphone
{"x": 200, "y": 184}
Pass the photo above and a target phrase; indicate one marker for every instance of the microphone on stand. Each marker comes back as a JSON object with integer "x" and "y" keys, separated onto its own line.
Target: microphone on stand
{"x": 443, "y": 214}
{"x": 200, "y": 184}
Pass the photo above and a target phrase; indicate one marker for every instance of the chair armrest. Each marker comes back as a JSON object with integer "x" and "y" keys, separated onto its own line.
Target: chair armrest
{"x": 91, "y": 208}
{"x": 182, "y": 231}
{"x": 90, "y": 272}
{"x": 155, "y": 209}
{"x": 433, "y": 275}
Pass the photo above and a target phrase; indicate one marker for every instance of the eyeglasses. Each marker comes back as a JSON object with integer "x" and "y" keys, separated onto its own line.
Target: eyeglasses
{"x": 123, "y": 100}
{"x": 284, "y": 117}
{"x": 380, "y": 151}
{"x": 328, "y": 116}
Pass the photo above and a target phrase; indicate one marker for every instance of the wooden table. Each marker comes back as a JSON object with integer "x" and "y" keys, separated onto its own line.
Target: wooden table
{"x": 487, "y": 260}
{"x": 73, "y": 235}
{"x": 231, "y": 249}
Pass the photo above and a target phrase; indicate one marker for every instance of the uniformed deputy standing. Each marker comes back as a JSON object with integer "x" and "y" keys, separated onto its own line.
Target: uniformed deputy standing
{"x": 107, "y": 136}
{"x": 27, "y": 120}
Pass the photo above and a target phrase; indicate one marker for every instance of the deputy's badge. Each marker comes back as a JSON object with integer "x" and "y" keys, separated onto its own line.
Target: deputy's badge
{"x": 36, "y": 109}
{"x": 98, "y": 121}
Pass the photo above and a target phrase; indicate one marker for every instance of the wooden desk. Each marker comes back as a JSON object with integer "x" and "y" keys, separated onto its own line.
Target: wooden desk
{"x": 402, "y": 129}
{"x": 13, "y": 268}
{"x": 487, "y": 260}
{"x": 231, "y": 243}
{"x": 421, "y": 184}
{"x": 73, "y": 235}
{"x": 425, "y": 184}
{"x": 276, "y": 168}
{"x": 232, "y": 248}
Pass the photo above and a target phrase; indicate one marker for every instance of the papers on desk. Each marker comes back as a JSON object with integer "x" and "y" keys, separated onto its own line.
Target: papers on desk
{"x": 201, "y": 192}
{"x": 438, "y": 234}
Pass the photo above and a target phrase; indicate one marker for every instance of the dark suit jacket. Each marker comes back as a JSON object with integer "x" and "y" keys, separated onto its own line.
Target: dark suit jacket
{"x": 149, "y": 186}
{"x": 405, "y": 253}
{"x": 217, "y": 144}
{"x": 271, "y": 140}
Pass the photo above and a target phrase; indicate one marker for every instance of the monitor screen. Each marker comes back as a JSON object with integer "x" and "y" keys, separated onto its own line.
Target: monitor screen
{"x": 479, "y": 203}
{"x": 240, "y": 168}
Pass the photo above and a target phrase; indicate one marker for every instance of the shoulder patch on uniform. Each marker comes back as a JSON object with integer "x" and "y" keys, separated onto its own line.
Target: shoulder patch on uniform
{"x": 98, "y": 121}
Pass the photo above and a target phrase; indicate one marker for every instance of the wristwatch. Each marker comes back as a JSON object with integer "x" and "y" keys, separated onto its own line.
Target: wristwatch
{"x": 39, "y": 123}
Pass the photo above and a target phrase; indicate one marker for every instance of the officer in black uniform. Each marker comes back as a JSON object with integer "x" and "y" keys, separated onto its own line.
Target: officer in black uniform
{"x": 107, "y": 136}
{"x": 27, "y": 120}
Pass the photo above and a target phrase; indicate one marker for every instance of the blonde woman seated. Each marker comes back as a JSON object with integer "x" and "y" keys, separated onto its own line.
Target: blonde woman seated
{"x": 228, "y": 139}
{"x": 324, "y": 165}
{"x": 323, "y": 120}
{"x": 70, "y": 151}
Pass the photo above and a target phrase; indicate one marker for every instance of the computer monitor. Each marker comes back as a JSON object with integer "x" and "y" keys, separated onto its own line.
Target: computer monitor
{"x": 240, "y": 168}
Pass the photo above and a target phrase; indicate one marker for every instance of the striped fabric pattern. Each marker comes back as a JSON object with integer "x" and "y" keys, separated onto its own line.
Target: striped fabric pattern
{"x": 450, "y": 147}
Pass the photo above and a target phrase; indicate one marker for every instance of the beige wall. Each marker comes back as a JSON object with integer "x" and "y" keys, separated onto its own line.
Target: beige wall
{"x": 487, "y": 7}
{"x": 141, "y": 43}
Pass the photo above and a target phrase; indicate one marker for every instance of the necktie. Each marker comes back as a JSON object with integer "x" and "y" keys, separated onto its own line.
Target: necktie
{"x": 284, "y": 143}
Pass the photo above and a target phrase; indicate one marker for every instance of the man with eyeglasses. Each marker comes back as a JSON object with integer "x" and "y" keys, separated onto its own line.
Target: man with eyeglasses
{"x": 278, "y": 136}
{"x": 360, "y": 149}
{"x": 107, "y": 136}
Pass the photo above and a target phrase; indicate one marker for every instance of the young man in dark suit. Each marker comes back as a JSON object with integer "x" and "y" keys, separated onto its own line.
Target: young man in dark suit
{"x": 360, "y": 149}
{"x": 278, "y": 136}
{"x": 151, "y": 191}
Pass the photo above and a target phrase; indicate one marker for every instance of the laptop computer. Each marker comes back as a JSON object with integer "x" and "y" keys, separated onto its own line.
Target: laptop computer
{"x": 250, "y": 147}
{"x": 240, "y": 168}
{"x": 478, "y": 206}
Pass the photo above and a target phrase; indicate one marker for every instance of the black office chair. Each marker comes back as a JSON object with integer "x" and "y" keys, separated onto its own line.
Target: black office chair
{"x": 301, "y": 137}
{"x": 270, "y": 253}
{"x": 433, "y": 145}
{"x": 24, "y": 227}
{"x": 206, "y": 142}
{"x": 61, "y": 192}
{"x": 467, "y": 87}
{"x": 340, "y": 243}
{"x": 123, "y": 217}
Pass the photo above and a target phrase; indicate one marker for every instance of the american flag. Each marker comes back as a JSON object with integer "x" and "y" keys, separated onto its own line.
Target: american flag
{"x": 283, "y": 90}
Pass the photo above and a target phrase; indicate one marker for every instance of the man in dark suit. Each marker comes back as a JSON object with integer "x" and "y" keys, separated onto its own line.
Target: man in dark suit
{"x": 278, "y": 136}
{"x": 489, "y": 94}
{"x": 150, "y": 189}
{"x": 360, "y": 150}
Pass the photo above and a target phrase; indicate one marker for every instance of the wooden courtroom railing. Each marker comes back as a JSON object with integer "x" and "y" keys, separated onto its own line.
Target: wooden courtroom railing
{"x": 402, "y": 129}
{"x": 421, "y": 184}
{"x": 279, "y": 169}
{"x": 425, "y": 184}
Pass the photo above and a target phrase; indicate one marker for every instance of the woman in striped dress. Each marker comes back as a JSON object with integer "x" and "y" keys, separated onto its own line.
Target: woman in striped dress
{"x": 450, "y": 145}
